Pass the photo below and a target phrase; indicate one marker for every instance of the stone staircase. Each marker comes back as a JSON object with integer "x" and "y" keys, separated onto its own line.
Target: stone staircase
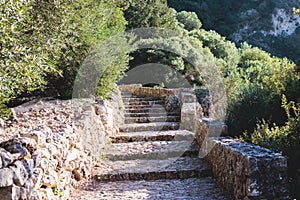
{"x": 151, "y": 159}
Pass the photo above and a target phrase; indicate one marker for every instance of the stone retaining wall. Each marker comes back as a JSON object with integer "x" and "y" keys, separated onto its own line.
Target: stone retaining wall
{"x": 244, "y": 170}
{"x": 48, "y": 161}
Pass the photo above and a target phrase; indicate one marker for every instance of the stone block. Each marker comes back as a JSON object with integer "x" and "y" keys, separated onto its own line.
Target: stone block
{"x": 38, "y": 136}
{"x": 15, "y": 147}
{"x": 5, "y": 157}
{"x": 20, "y": 173}
{"x": 6, "y": 177}
{"x": 172, "y": 103}
{"x": 10, "y": 193}
{"x": 36, "y": 177}
{"x": 50, "y": 180}
{"x": 188, "y": 117}
{"x": 188, "y": 98}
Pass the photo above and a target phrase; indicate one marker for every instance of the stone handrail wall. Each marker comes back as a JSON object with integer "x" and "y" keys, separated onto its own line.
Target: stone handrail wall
{"x": 48, "y": 163}
{"x": 246, "y": 171}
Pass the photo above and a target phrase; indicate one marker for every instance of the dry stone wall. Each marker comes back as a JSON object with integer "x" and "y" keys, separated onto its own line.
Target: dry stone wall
{"x": 52, "y": 146}
{"x": 244, "y": 170}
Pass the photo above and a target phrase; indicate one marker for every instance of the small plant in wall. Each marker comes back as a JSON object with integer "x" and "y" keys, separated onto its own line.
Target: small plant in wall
{"x": 56, "y": 192}
{"x": 159, "y": 86}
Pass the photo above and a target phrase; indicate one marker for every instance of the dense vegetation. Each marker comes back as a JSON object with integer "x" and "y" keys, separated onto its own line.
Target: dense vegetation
{"x": 44, "y": 43}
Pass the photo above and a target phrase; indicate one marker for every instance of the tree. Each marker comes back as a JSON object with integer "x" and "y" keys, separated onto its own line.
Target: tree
{"x": 189, "y": 20}
{"x": 43, "y": 43}
{"x": 90, "y": 23}
{"x": 149, "y": 13}
{"x": 30, "y": 44}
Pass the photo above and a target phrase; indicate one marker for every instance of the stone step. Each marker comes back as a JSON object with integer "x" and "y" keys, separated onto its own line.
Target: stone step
{"x": 140, "y": 97}
{"x": 143, "y": 106}
{"x": 171, "y": 168}
{"x": 185, "y": 189}
{"x": 158, "y": 114}
{"x": 178, "y": 135}
{"x": 151, "y": 150}
{"x": 143, "y": 102}
{"x": 135, "y": 98}
{"x": 146, "y": 110}
{"x": 154, "y": 126}
{"x": 129, "y": 120}
{"x": 127, "y": 95}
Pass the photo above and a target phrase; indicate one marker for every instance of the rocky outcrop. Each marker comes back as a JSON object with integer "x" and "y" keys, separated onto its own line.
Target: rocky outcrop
{"x": 54, "y": 147}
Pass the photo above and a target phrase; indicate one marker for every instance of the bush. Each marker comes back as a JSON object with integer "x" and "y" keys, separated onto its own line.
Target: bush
{"x": 43, "y": 43}
{"x": 103, "y": 67}
{"x": 224, "y": 50}
{"x": 31, "y": 42}
{"x": 91, "y": 23}
{"x": 285, "y": 139}
{"x": 149, "y": 13}
{"x": 252, "y": 104}
{"x": 189, "y": 20}
{"x": 255, "y": 89}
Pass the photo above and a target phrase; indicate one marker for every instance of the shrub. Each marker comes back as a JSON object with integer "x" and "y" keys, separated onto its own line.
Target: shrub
{"x": 91, "y": 22}
{"x": 285, "y": 139}
{"x": 43, "y": 43}
{"x": 252, "y": 104}
{"x": 149, "y": 13}
{"x": 224, "y": 50}
{"x": 189, "y": 20}
{"x": 255, "y": 89}
{"x": 29, "y": 45}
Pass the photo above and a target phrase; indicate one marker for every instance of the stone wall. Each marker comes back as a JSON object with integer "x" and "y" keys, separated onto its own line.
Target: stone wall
{"x": 163, "y": 93}
{"x": 52, "y": 147}
{"x": 244, "y": 170}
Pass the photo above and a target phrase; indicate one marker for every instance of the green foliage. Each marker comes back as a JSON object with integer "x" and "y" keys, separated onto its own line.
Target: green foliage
{"x": 92, "y": 21}
{"x": 43, "y": 43}
{"x": 189, "y": 20}
{"x": 225, "y": 51}
{"x": 23, "y": 58}
{"x": 160, "y": 86}
{"x": 176, "y": 52}
{"x": 149, "y": 13}
{"x": 255, "y": 89}
{"x": 32, "y": 35}
{"x": 115, "y": 69}
{"x": 251, "y": 104}
{"x": 283, "y": 139}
